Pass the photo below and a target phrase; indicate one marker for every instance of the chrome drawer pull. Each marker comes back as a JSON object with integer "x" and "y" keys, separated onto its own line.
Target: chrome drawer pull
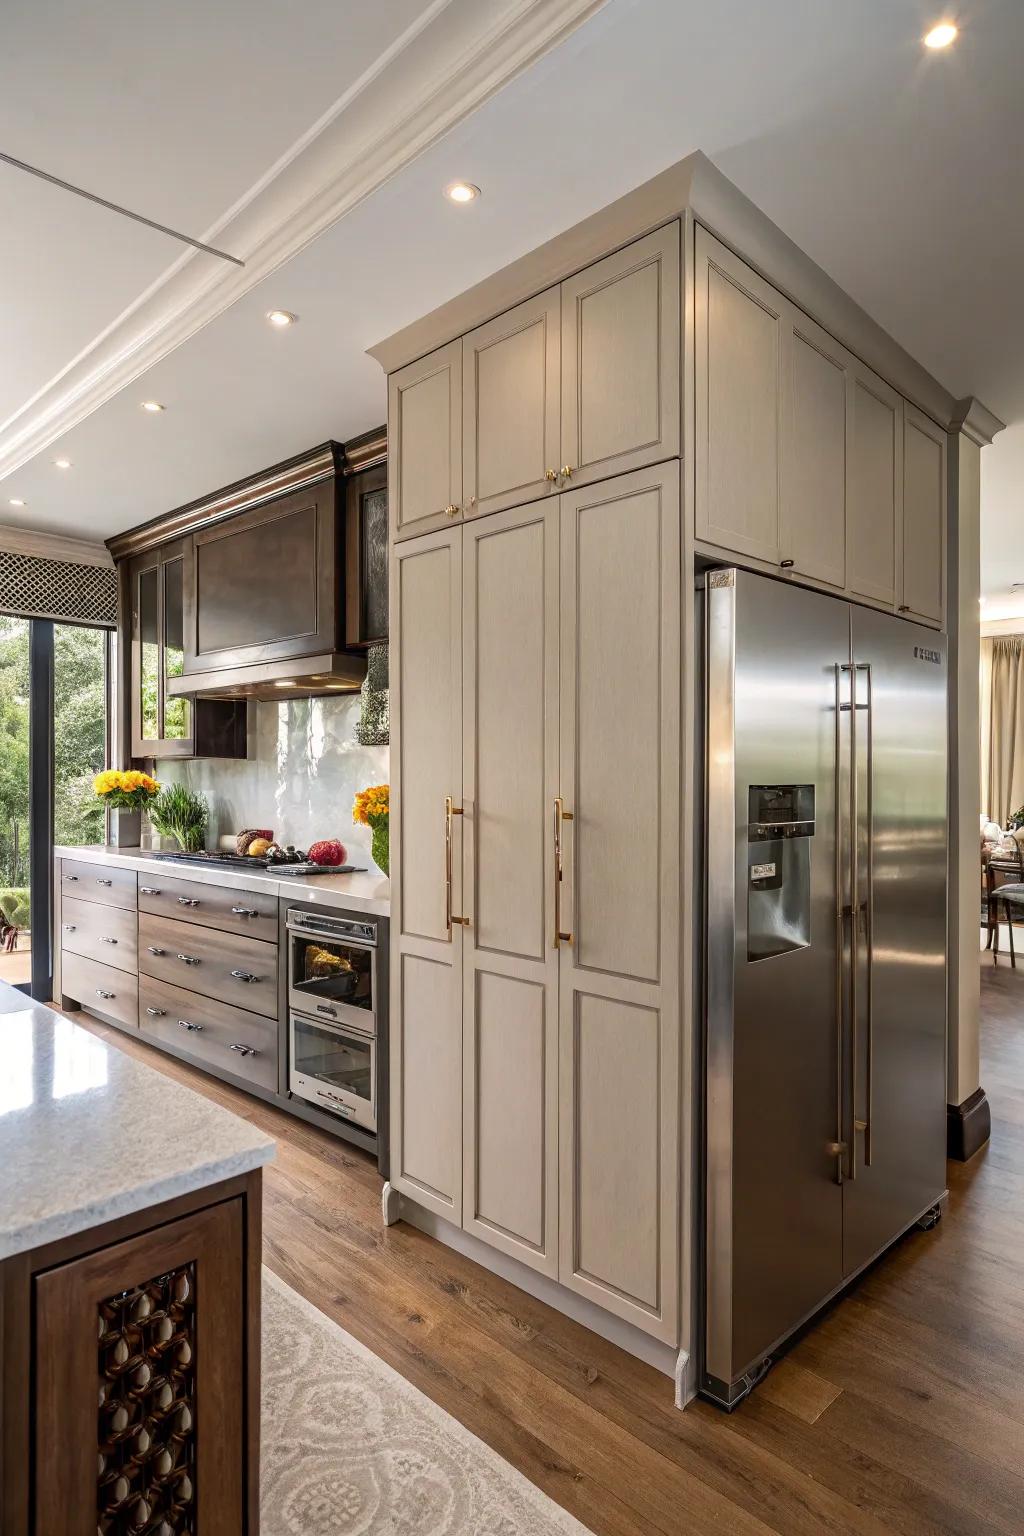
{"x": 156, "y": 1013}
{"x": 244, "y": 1050}
{"x": 187, "y": 1024}
{"x": 72, "y": 878}
{"x": 100, "y": 993}
{"x": 69, "y": 927}
{"x": 148, "y": 890}
{"x": 189, "y": 959}
{"x": 244, "y": 976}
{"x": 244, "y": 912}
{"x": 155, "y": 949}
{"x": 103, "y": 882}
{"x": 107, "y": 941}
{"x": 188, "y": 901}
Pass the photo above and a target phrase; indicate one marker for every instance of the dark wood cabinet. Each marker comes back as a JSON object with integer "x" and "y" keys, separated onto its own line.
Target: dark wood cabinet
{"x": 163, "y": 724}
{"x": 366, "y": 556}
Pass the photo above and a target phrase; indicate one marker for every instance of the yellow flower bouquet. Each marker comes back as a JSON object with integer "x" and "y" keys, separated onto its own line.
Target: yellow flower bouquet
{"x": 371, "y": 809}
{"x": 127, "y": 790}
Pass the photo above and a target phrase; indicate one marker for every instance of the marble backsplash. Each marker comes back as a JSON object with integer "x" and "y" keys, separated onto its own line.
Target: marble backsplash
{"x": 302, "y": 774}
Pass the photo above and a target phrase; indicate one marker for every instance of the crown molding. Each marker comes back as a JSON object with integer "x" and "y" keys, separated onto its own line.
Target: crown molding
{"x": 51, "y": 546}
{"x": 456, "y": 56}
{"x": 976, "y": 421}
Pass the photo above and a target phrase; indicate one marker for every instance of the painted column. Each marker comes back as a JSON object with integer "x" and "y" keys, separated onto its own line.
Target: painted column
{"x": 968, "y": 1115}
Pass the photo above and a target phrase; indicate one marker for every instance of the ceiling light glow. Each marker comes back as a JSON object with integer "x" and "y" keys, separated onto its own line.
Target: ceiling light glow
{"x": 16, "y": 501}
{"x": 281, "y": 318}
{"x": 152, "y": 406}
{"x": 62, "y": 463}
{"x": 461, "y": 192}
{"x": 941, "y": 35}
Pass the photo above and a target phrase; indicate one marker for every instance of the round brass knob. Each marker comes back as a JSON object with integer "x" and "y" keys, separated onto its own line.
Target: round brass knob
{"x": 551, "y": 474}
{"x": 566, "y": 471}
{"x": 451, "y": 510}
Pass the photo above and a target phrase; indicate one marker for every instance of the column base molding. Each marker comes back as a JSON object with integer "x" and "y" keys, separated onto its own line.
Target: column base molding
{"x": 968, "y": 1126}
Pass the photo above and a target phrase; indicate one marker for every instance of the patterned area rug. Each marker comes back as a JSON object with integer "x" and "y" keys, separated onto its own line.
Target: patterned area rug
{"x": 349, "y": 1448}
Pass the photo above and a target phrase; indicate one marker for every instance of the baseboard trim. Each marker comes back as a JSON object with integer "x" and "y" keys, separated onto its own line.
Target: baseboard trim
{"x": 968, "y": 1126}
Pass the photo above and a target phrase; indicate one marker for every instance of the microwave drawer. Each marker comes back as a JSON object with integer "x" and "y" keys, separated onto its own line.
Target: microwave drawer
{"x": 99, "y": 987}
{"x": 101, "y": 933}
{"x": 103, "y": 883}
{"x": 226, "y": 966}
{"x": 215, "y": 906}
{"x": 213, "y": 1033}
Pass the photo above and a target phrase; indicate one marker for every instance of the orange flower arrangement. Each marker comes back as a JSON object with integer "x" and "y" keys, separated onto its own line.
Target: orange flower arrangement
{"x": 372, "y": 808}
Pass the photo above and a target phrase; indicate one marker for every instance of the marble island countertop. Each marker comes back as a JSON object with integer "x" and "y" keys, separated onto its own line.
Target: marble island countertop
{"x": 367, "y": 892}
{"x": 88, "y": 1134}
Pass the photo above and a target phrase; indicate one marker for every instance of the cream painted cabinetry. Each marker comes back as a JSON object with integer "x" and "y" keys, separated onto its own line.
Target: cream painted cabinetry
{"x": 804, "y": 457}
{"x": 567, "y": 738}
{"x": 425, "y": 443}
{"x": 923, "y": 589}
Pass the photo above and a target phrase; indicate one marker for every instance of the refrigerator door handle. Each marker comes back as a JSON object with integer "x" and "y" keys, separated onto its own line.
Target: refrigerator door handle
{"x": 837, "y": 1148}
{"x": 869, "y": 917}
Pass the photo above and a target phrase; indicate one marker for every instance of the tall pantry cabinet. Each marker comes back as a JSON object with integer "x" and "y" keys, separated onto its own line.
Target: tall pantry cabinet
{"x": 535, "y": 759}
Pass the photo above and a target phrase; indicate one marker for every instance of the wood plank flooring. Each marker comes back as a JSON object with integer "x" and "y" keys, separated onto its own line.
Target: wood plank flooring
{"x": 902, "y": 1411}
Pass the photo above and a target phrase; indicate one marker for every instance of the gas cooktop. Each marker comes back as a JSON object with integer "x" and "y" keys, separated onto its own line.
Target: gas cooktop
{"x": 256, "y": 864}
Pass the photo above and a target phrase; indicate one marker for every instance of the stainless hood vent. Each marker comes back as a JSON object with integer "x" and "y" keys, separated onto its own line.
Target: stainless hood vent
{"x": 309, "y": 677}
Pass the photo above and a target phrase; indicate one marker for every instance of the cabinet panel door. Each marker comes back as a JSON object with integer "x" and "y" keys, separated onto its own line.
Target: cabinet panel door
{"x": 738, "y": 400}
{"x": 814, "y": 482}
{"x": 621, "y": 339}
{"x": 619, "y": 720}
{"x": 426, "y": 766}
{"x": 511, "y": 407}
{"x": 510, "y": 767}
{"x": 875, "y": 488}
{"x": 425, "y": 442}
{"x": 924, "y": 517}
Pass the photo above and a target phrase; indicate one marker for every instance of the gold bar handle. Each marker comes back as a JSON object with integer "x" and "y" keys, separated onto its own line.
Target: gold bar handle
{"x": 450, "y": 810}
{"x": 561, "y": 814}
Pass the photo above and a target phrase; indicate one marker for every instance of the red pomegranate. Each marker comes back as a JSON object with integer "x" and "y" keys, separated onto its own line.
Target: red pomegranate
{"x": 327, "y": 851}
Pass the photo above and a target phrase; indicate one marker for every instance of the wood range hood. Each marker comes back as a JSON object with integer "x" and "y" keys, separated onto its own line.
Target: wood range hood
{"x": 274, "y": 574}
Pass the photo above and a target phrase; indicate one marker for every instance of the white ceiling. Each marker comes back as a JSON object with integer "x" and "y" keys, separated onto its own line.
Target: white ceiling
{"x": 899, "y": 171}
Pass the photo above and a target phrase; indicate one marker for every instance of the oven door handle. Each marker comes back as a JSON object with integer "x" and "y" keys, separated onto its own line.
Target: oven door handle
{"x": 332, "y": 938}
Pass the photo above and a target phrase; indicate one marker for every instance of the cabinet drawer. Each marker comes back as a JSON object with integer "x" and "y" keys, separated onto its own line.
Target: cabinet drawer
{"x": 215, "y": 906}
{"x": 222, "y": 965}
{"x": 101, "y": 987}
{"x": 211, "y": 1031}
{"x": 105, "y": 934}
{"x": 99, "y": 882}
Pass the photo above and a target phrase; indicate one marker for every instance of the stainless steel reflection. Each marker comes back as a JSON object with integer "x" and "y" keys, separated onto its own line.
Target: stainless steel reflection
{"x": 836, "y": 1034}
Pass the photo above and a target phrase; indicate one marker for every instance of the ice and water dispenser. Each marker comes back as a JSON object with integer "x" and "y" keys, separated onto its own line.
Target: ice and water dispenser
{"x": 780, "y": 825}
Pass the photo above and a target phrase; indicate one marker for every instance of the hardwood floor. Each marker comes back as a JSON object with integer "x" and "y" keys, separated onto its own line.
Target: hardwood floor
{"x": 902, "y": 1411}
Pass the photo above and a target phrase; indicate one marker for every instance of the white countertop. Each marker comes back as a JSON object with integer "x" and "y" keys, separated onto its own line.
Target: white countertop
{"x": 369, "y": 892}
{"x": 88, "y": 1134}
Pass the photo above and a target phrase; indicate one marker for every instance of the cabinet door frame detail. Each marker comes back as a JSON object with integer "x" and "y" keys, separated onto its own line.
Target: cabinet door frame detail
{"x": 447, "y": 360}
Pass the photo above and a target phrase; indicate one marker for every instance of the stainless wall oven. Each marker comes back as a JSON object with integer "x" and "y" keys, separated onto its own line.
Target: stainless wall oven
{"x": 337, "y": 1015}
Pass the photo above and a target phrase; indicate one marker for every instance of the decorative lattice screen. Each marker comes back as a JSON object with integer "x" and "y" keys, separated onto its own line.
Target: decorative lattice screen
{"x": 34, "y": 587}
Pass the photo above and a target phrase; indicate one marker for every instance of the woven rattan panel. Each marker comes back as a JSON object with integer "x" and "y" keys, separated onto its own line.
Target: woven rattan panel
{"x": 33, "y": 587}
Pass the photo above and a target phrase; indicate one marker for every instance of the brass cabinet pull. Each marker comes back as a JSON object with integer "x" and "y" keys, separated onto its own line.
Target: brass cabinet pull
{"x": 192, "y": 1028}
{"x": 244, "y": 1050}
{"x": 244, "y": 912}
{"x": 566, "y": 471}
{"x": 551, "y": 475}
{"x": 188, "y": 901}
{"x": 189, "y": 959}
{"x": 561, "y": 814}
{"x": 451, "y": 510}
{"x": 450, "y": 810}
{"x": 244, "y": 976}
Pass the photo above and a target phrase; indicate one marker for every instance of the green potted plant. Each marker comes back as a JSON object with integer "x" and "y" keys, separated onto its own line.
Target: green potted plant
{"x": 183, "y": 814}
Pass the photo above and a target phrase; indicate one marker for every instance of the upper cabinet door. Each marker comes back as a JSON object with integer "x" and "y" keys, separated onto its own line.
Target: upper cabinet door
{"x": 739, "y": 347}
{"x": 924, "y": 517}
{"x": 874, "y": 485}
{"x": 620, "y": 361}
{"x": 425, "y": 443}
{"x": 511, "y": 408}
{"x": 814, "y": 453}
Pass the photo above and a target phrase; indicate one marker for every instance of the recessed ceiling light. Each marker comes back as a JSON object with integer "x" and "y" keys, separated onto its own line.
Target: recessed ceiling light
{"x": 461, "y": 192}
{"x": 62, "y": 463}
{"x": 282, "y": 318}
{"x": 16, "y": 501}
{"x": 153, "y": 406}
{"x": 941, "y": 35}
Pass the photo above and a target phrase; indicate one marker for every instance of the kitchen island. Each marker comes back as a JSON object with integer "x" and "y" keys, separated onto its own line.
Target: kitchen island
{"x": 129, "y": 1291}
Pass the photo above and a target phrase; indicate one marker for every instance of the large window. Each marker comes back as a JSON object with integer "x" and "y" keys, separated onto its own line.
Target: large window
{"x": 54, "y": 690}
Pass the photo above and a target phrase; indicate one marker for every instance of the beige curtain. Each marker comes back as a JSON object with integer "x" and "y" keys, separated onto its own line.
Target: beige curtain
{"x": 1003, "y": 771}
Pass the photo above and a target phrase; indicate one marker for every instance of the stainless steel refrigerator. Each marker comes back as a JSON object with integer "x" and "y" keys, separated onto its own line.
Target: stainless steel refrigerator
{"x": 825, "y": 954}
